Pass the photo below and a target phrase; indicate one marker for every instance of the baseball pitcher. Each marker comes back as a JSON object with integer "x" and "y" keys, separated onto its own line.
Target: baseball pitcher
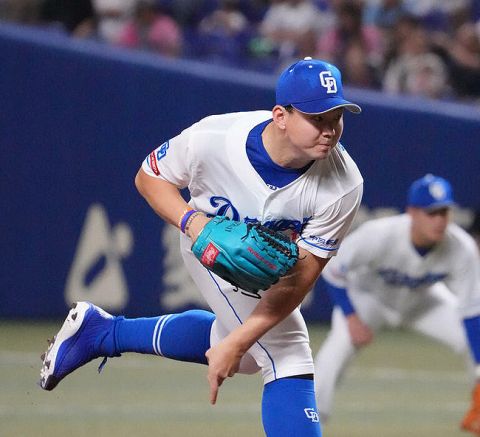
{"x": 273, "y": 193}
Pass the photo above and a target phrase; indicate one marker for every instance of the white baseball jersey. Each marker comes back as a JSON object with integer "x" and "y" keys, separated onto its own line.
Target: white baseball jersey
{"x": 316, "y": 209}
{"x": 378, "y": 258}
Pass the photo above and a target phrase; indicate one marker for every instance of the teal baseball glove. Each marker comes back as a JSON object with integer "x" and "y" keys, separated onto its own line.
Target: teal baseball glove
{"x": 249, "y": 256}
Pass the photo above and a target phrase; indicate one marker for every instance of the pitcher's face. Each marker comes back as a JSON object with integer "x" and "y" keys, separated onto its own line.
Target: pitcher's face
{"x": 314, "y": 135}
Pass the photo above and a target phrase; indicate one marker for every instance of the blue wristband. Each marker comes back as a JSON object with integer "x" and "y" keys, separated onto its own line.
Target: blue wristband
{"x": 185, "y": 218}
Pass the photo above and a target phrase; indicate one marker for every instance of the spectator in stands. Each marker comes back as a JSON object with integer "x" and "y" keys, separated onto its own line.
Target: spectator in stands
{"x": 111, "y": 17}
{"x": 466, "y": 45}
{"x": 291, "y": 26}
{"x": 461, "y": 54}
{"x": 355, "y": 48}
{"x": 439, "y": 15}
{"x": 223, "y": 33}
{"x": 414, "y": 68}
{"x": 383, "y": 14}
{"x": 227, "y": 19}
{"x": 152, "y": 29}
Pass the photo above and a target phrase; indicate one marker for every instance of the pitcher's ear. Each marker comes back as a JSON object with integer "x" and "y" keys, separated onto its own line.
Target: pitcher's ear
{"x": 279, "y": 115}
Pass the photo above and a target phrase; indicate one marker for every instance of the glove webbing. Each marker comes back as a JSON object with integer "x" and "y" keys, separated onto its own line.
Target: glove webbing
{"x": 271, "y": 238}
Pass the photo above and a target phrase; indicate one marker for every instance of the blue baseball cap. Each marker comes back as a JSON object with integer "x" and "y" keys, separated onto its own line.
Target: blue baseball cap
{"x": 313, "y": 87}
{"x": 430, "y": 192}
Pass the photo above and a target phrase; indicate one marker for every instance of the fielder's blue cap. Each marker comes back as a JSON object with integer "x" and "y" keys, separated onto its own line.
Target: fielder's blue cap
{"x": 312, "y": 86}
{"x": 430, "y": 192}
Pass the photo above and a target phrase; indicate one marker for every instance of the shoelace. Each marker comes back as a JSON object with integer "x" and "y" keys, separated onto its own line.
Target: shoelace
{"x": 102, "y": 364}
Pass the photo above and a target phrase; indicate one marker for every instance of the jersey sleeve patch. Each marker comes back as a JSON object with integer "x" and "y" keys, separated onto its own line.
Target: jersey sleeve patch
{"x": 329, "y": 245}
{"x": 152, "y": 161}
{"x": 318, "y": 246}
{"x": 155, "y": 156}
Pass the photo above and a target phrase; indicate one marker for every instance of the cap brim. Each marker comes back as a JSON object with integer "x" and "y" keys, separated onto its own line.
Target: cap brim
{"x": 435, "y": 206}
{"x": 440, "y": 205}
{"x": 325, "y": 105}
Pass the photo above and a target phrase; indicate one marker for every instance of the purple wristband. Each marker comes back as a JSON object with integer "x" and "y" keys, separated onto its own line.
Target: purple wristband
{"x": 185, "y": 218}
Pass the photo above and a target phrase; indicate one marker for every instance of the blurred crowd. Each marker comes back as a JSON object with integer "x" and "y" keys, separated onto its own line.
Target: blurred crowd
{"x": 429, "y": 48}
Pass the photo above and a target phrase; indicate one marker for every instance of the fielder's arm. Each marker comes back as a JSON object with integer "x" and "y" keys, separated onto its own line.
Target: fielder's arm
{"x": 360, "y": 333}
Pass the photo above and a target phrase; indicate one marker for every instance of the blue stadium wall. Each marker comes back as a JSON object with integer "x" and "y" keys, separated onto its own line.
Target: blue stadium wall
{"x": 76, "y": 121}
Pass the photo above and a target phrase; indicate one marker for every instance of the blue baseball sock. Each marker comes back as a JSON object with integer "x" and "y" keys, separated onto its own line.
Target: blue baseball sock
{"x": 289, "y": 408}
{"x": 183, "y": 337}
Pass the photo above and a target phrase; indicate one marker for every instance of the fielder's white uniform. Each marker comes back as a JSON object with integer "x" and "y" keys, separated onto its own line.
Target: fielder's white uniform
{"x": 390, "y": 283}
{"x": 317, "y": 209}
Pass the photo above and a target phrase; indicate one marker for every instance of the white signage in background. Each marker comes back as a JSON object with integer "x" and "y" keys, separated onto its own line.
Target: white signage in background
{"x": 96, "y": 274}
{"x": 180, "y": 290}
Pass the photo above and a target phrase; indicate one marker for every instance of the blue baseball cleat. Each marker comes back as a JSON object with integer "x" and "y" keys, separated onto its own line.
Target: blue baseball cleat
{"x": 86, "y": 334}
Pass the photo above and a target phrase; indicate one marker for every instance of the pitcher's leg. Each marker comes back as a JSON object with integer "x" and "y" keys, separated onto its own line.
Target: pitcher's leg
{"x": 89, "y": 332}
{"x": 289, "y": 408}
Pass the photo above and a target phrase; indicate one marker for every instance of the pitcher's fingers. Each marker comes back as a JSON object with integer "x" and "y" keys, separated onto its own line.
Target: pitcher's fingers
{"x": 213, "y": 390}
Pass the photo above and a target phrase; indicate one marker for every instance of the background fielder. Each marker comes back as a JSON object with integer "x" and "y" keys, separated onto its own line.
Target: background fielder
{"x": 285, "y": 169}
{"x": 401, "y": 271}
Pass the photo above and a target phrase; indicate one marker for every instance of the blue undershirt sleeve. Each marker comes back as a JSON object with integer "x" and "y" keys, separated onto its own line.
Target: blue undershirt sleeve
{"x": 472, "y": 327}
{"x": 340, "y": 297}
